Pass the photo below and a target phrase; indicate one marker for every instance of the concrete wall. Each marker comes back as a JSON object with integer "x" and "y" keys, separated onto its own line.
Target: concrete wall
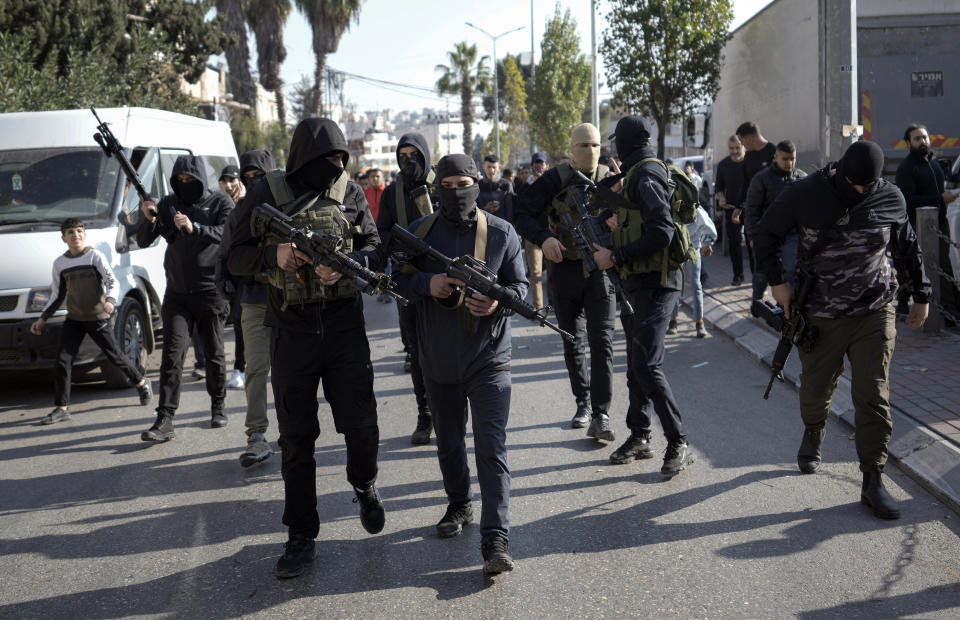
{"x": 771, "y": 76}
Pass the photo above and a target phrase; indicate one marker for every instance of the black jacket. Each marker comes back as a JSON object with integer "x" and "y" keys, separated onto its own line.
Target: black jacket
{"x": 753, "y": 163}
{"x": 248, "y": 256}
{"x": 191, "y": 259}
{"x": 921, "y": 181}
{"x": 387, "y": 216}
{"x": 448, "y": 352}
{"x": 854, "y": 275}
{"x": 530, "y": 216}
{"x": 764, "y": 189}
{"x": 648, "y": 190}
{"x": 730, "y": 181}
{"x": 500, "y": 190}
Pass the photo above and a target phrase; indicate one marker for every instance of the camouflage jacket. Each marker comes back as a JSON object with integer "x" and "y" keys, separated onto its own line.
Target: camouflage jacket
{"x": 845, "y": 245}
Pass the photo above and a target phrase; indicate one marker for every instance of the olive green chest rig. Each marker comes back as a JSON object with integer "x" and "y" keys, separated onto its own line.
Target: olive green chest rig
{"x": 320, "y": 212}
{"x": 564, "y": 204}
{"x": 423, "y": 197}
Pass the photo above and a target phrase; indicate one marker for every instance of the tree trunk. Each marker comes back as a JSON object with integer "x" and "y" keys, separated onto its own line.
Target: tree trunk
{"x": 238, "y": 55}
{"x": 661, "y": 136}
{"x": 318, "y": 84}
{"x": 281, "y": 106}
{"x": 466, "y": 118}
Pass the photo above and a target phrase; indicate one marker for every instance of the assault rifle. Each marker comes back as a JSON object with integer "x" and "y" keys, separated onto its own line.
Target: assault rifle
{"x": 476, "y": 276}
{"x": 793, "y": 331}
{"x": 111, "y": 146}
{"x": 590, "y": 230}
{"x": 323, "y": 249}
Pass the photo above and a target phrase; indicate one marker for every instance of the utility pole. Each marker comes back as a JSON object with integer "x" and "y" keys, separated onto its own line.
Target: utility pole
{"x": 496, "y": 96}
{"x": 594, "y": 103}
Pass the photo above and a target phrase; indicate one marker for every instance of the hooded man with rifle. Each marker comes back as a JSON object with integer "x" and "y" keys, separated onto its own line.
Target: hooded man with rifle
{"x": 464, "y": 345}
{"x": 847, "y": 218}
{"x": 404, "y": 201}
{"x": 583, "y": 300}
{"x": 317, "y": 328}
{"x": 191, "y": 220}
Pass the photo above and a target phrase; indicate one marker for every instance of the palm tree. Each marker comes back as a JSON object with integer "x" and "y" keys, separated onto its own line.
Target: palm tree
{"x": 466, "y": 76}
{"x": 237, "y": 52}
{"x": 266, "y": 18}
{"x": 328, "y": 19}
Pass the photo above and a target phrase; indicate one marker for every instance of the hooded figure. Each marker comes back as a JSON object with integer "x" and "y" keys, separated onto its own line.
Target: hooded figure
{"x": 320, "y": 339}
{"x": 190, "y": 258}
{"x": 412, "y": 195}
{"x": 258, "y": 161}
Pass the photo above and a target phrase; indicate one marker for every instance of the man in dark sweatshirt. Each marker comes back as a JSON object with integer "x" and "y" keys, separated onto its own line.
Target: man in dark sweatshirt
{"x": 317, "y": 328}
{"x": 408, "y": 199}
{"x": 496, "y": 193}
{"x": 764, "y": 189}
{"x": 921, "y": 180}
{"x": 848, "y": 218}
{"x": 464, "y": 342}
{"x": 251, "y": 295}
{"x": 639, "y": 246}
{"x": 191, "y": 220}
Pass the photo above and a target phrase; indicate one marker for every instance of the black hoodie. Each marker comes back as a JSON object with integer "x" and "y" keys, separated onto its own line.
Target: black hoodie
{"x": 387, "y": 216}
{"x": 313, "y": 137}
{"x": 190, "y": 260}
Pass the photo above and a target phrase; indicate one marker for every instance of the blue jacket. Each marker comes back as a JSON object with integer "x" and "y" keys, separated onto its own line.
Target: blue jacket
{"x": 448, "y": 352}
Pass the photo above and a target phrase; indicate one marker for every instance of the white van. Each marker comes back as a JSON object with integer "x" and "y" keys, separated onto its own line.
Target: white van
{"x": 50, "y": 170}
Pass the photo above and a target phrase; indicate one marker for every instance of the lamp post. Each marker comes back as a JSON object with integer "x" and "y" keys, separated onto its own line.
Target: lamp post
{"x": 496, "y": 98}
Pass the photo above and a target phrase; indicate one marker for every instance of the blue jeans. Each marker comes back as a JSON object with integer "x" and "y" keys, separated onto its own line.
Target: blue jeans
{"x": 691, "y": 278}
{"x": 788, "y": 256}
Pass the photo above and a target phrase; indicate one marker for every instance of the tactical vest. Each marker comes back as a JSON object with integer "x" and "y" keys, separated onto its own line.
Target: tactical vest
{"x": 564, "y": 203}
{"x": 683, "y": 211}
{"x": 423, "y": 202}
{"x": 320, "y": 213}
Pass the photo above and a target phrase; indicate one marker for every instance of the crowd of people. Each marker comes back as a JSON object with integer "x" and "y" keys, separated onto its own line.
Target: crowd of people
{"x": 301, "y": 324}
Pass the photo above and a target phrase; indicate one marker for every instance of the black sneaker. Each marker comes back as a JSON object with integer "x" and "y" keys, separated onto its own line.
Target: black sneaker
{"x": 298, "y": 554}
{"x": 676, "y": 458}
{"x": 672, "y": 327}
{"x": 146, "y": 392}
{"x": 162, "y": 429}
{"x": 372, "y": 515}
{"x": 454, "y": 519}
{"x": 581, "y": 418}
{"x": 258, "y": 450}
{"x": 600, "y": 428}
{"x": 217, "y": 418}
{"x": 496, "y": 554}
{"x": 635, "y": 447}
{"x": 57, "y": 415}
{"x": 421, "y": 435}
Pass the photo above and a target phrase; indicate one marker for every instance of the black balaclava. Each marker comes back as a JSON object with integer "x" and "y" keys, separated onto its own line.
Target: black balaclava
{"x": 188, "y": 192}
{"x": 257, "y": 159}
{"x": 631, "y": 134}
{"x": 457, "y": 203}
{"x": 319, "y": 174}
{"x": 862, "y": 164}
{"x": 413, "y": 168}
{"x": 313, "y": 139}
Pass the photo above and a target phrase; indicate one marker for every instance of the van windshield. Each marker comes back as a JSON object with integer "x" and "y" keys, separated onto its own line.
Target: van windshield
{"x": 51, "y": 185}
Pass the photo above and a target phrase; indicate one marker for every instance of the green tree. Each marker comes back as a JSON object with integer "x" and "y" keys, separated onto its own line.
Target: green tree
{"x": 489, "y": 146}
{"x": 465, "y": 75}
{"x": 302, "y": 103}
{"x": 266, "y": 18}
{"x": 515, "y": 116}
{"x": 328, "y": 20}
{"x": 237, "y": 51}
{"x": 663, "y": 57}
{"x": 562, "y": 85}
{"x": 249, "y": 135}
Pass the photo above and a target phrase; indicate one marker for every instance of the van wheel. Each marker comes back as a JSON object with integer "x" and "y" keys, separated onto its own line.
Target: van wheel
{"x": 131, "y": 339}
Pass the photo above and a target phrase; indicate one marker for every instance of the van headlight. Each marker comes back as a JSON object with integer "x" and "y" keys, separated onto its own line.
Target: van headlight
{"x": 38, "y": 300}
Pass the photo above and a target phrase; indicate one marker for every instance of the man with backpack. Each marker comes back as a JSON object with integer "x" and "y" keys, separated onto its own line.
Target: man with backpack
{"x": 650, "y": 244}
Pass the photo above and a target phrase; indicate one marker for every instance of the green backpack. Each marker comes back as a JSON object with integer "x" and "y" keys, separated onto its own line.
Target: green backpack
{"x": 684, "y": 199}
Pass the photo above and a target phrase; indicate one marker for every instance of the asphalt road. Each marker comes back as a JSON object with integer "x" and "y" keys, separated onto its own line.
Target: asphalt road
{"x": 97, "y": 524}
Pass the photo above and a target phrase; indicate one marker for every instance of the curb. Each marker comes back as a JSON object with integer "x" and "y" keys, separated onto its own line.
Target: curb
{"x": 928, "y": 458}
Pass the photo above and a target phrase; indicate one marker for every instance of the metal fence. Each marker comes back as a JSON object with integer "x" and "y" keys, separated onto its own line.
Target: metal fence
{"x": 931, "y": 238}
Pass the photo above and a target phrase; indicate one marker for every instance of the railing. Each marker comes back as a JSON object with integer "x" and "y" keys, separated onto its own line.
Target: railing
{"x": 929, "y": 236}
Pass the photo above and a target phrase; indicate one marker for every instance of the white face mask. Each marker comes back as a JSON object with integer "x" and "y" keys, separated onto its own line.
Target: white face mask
{"x": 585, "y": 158}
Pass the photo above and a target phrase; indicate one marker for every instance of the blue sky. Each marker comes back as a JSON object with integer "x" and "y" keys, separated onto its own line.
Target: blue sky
{"x": 404, "y": 41}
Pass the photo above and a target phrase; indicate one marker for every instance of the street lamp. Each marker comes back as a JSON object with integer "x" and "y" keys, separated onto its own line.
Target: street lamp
{"x": 496, "y": 98}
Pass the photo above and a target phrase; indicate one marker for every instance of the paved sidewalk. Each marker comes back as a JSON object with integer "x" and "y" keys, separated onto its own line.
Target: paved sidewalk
{"x": 924, "y": 382}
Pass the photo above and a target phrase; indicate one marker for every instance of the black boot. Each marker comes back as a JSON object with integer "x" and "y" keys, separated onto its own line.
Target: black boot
{"x": 162, "y": 429}
{"x": 874, "y": 495}
{"x": 421, "y": 435}
{"x": 808, "y": 457}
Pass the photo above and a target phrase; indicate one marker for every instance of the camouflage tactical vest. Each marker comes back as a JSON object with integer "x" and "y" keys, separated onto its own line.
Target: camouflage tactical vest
{"x": 320, "y": 213}
{"x": 564, "y": 203}
{"x": 682, "y": 198}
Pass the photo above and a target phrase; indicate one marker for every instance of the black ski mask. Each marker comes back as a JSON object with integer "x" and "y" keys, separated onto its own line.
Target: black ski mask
{"x": 457, "y": 203}
{"x": 862, "y": 164}
{"x": 319, "y": 174}
{"x": 412, "y": 166}
{"x": 189, "y": 192}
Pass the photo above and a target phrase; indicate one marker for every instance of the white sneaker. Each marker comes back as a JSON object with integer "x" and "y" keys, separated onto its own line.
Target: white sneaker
{"x": 236, "y": 381}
